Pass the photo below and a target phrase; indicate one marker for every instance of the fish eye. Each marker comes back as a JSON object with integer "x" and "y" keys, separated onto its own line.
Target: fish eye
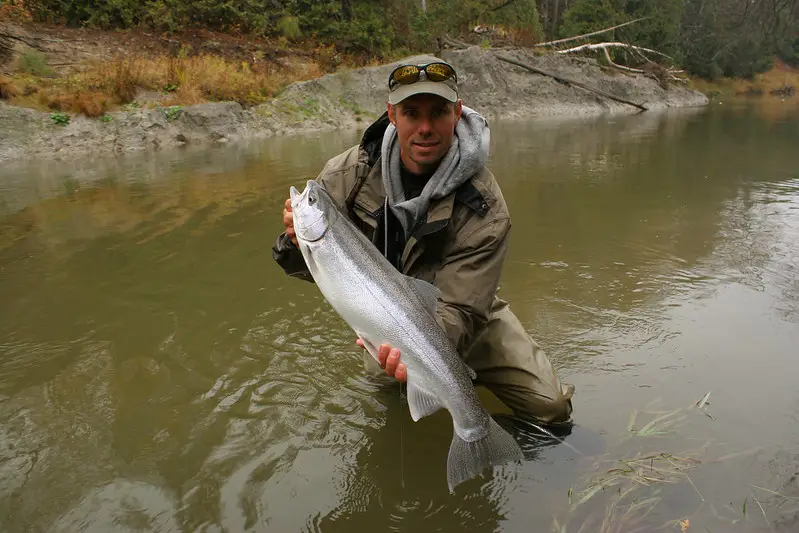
{"x": 311, "y": 199}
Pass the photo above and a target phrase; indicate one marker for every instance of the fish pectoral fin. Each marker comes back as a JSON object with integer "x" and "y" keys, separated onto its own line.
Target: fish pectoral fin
{"x": 371, "y": 348}
{"x": 421, "y": 402}
{"x": 427, "y": 292}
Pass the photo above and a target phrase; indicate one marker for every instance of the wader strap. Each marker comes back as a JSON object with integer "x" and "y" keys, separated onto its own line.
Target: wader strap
{"x": 349, "y": 203}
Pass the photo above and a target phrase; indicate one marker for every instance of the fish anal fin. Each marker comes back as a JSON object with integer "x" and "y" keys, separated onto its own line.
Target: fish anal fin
{"x": 421, "y": 402}
{"x": 427, "y": 292}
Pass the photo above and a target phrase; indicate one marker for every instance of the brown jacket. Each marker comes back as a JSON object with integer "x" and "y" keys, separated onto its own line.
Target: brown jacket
{"x": 460, "y": 247}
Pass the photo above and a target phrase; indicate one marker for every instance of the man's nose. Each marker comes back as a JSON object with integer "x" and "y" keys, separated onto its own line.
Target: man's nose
{"x": 425, "y": 125}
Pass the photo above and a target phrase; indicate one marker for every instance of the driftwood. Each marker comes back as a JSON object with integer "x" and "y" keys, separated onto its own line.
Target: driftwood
{"x": 454, "y": 43}
{"x": 586, "y": 35}
{"x": 601, "y": 46}
{"x": 445, "y": 39}
{"x": 569, "y": 81}
{"x": 651, "y": 68}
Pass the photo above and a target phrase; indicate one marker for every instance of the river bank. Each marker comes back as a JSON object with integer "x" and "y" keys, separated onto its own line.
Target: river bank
{"x": 340, "y": 100}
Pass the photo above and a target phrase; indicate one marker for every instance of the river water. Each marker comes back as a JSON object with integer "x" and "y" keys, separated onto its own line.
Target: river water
{"x": 158, "y": 372}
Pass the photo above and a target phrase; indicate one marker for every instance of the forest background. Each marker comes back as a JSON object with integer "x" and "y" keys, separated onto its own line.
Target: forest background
{"x": 712, "y": 41}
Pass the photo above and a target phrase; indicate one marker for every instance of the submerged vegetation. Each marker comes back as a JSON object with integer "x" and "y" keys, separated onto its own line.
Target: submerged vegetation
{"x": 633, "y": 487}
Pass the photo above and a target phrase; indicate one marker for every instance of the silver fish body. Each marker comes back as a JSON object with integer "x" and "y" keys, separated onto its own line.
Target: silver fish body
{"x": 384, "y": 306}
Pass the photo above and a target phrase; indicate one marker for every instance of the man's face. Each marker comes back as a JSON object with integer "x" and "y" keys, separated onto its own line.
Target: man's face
{"x": 425, "y": 125}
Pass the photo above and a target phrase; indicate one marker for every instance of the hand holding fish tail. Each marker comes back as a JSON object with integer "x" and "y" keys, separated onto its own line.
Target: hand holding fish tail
{"x": 389, "y": 359}
{"x": 288, "y": 222}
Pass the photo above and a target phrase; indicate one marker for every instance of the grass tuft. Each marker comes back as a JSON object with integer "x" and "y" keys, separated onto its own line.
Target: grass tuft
{"x": 8, "y": 89}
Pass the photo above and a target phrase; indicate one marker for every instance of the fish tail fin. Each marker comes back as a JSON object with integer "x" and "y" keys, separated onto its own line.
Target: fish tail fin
{"x": 468, "y": 459}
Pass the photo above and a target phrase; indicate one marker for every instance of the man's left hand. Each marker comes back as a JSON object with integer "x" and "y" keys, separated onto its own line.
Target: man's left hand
{"x": 389, "y": 358}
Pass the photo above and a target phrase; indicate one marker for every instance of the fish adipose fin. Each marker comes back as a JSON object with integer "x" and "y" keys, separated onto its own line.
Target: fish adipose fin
{"x": 467, "y": 460}
{"x": 421, "y": 403}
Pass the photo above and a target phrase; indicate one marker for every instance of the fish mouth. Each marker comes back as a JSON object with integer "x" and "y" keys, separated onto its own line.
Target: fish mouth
{"x": 304, "y": 233}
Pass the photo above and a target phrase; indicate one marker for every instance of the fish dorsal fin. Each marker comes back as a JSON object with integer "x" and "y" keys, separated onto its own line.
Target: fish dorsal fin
{"x": 421, "y": 402}
{"x": 427, "y": 292}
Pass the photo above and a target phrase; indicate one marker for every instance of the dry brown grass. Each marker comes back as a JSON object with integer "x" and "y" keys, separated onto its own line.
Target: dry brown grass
{"x": 770, "y": 83}
{"x": 100, "y": 87}
{"x": 8, "y": 89}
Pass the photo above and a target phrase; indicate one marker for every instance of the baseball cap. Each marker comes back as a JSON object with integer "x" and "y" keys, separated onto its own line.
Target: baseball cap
{"x": 423, "y": 75}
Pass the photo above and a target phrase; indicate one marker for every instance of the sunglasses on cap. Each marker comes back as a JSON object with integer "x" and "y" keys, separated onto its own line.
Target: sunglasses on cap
{"x": 407, "y": 74}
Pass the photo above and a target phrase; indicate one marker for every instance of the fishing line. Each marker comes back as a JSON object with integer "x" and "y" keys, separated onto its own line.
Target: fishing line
{"x": 385, "y": 253}
{"x": 402, "y": 464}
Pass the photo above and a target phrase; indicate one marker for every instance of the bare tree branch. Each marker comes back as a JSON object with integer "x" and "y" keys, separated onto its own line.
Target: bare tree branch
{"x": 620, "y": 67}
{"x": 504, "y": 4}
{"x": 585, "y": 35}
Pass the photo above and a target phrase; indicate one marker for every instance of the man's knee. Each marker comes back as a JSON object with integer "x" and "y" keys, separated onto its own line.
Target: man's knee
{"x": 515, "y": 368}
{"x": 541, "y": 403}
{"x": 557, "y": 410}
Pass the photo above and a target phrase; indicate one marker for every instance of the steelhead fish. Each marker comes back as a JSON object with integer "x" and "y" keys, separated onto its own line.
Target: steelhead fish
{"x": 384, "y": 306}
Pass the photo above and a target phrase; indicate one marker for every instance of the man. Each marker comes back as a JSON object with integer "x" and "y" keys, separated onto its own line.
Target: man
{"x": 418, "y": 187}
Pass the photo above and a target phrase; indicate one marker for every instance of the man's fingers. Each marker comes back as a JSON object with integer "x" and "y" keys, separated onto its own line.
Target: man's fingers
{"x": 359, "y": 342}
{"x": 382, "y": 354}
{"x": 392, "y": 361}
{"x": 402, "y": 373}
{"x": 288, "y": 204}
{"x": 288, "y": 223}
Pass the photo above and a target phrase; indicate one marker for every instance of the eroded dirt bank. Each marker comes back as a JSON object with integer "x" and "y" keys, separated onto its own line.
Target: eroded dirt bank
{"x": 341, "y": 100}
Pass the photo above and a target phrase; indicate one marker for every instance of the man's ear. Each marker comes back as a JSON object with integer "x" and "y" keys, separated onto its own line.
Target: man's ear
{"x": 458, "y": 111}
{"x": 392, "y": 113}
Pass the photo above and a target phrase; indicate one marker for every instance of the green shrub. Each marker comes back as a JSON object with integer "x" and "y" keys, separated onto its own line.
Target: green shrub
{"x": 61, "y": 119}
{"x": 34, "y": 63}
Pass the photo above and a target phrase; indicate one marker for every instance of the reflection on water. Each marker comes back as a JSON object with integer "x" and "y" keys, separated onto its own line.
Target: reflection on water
{"x": 158, "y": 372}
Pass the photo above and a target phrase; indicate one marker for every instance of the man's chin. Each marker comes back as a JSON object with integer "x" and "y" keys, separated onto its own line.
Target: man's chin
{"x": 427, "y": 158}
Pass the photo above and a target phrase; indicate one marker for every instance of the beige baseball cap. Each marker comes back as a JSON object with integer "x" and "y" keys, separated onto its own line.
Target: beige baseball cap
{"x": 447, "y": 89}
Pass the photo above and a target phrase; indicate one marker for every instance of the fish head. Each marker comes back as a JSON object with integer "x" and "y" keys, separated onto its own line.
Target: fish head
{"x": 313, "y": 211}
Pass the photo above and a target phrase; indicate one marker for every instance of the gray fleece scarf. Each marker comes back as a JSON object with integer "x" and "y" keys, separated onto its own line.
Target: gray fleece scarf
{"x": 467, "y": 155}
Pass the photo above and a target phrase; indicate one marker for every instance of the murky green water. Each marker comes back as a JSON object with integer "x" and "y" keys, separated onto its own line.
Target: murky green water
{"x": 158, "y": 372}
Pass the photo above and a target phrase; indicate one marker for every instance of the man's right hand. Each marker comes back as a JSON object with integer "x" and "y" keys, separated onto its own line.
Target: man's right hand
{"x": 288, "y": 222}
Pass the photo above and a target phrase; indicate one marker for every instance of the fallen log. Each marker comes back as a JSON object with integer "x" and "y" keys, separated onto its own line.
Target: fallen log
{"x": 568, "y": 81}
